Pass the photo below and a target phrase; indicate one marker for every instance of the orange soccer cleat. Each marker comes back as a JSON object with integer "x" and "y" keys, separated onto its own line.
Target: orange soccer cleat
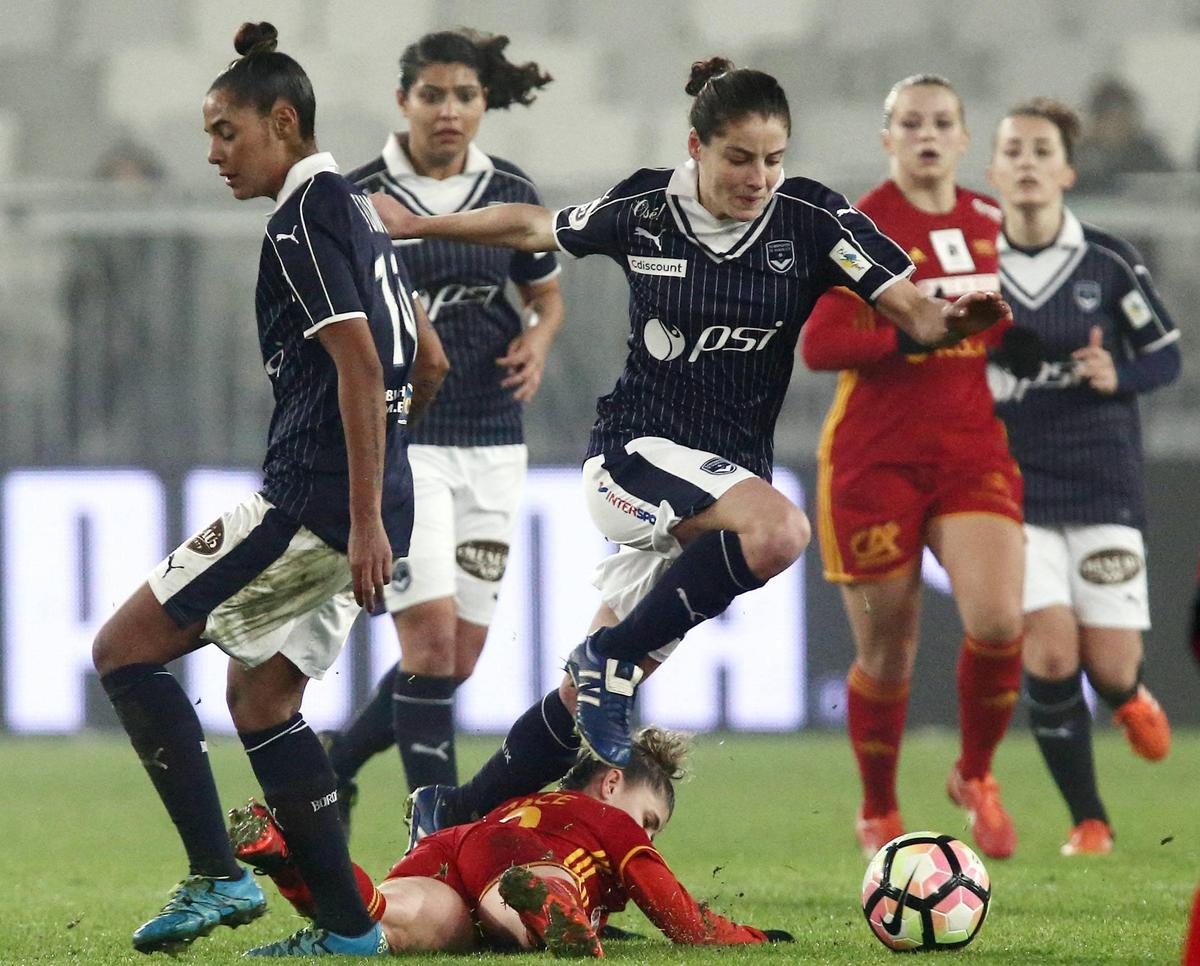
{"x": 874, "y": 833}
{"x": 991, "y": 825}
{"x": 550, "y": 911}
{"x": 256, "y": 838}
{"x": 1145, "y": 725}
{"x": 1089, "y": 837}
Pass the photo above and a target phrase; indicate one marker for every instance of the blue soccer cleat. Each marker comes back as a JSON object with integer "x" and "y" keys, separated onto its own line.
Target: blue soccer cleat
{"x": 321, "y": 942}
{"x": 427, "y": 810}
{"x": 604, "y": 702}
{"x": 197, "y": 906}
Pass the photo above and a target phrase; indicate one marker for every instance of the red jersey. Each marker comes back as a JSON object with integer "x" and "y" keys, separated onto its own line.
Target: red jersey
{"x": 610, "y": 856}
{"x": 894, "y": 408}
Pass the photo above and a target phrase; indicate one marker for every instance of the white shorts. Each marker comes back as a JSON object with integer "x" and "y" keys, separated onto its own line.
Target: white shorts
{"x": 264, "y": 585}
{"x": 465, "y": 507}
{"x": 637, "y": 500}
{"x": 1099, "y": 571}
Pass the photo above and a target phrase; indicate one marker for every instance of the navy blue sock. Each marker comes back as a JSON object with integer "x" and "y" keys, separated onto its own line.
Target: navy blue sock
{"x": 369, "y": 733}
{"x": 540, "y": 748}
{"x": 301, "y": 789}
{"x": 699, "y": 585}
{"x": 166, "y": 734}
{"x": 1062, "y": 724}
{"x": 1115, "y": 697}
{"x": 423, "y": 725}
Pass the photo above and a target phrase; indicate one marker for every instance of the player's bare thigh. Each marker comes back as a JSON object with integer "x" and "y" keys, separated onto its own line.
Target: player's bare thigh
{"x": 141, "y": 632}
{"x": 499, "y": 920}
{"x": 425, "y": 914}
{"x": 984, "y": 555}
{"x": 883, "y": 616}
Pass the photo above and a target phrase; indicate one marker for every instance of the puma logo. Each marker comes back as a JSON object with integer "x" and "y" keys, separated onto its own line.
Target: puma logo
{"x": 441, "y": 751}
{"x": 844, "y": 211}
{"x": 657, "y": 239}
{"x": 290, "y": 236}
{"x": 694, "y": 615}
{"x": 171, "y": 565}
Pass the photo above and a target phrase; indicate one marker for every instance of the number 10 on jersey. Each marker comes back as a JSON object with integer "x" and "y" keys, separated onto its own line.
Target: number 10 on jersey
{"x": 396, "y": 309}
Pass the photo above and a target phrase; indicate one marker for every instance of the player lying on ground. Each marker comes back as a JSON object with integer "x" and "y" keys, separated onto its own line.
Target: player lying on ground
{"x": 541, "y": 871}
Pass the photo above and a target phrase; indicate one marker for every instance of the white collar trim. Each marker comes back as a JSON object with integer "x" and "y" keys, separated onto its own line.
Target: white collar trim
{"x": 1069, "y": 236}
{"x": 304, "y": 170}
{"x": 399, "y": 167}
{"x": 719, "y": 238}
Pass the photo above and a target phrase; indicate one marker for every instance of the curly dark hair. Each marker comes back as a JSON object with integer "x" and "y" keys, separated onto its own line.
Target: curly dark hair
{"x": 657, "y": 761}
{"x": 506, "y": 83}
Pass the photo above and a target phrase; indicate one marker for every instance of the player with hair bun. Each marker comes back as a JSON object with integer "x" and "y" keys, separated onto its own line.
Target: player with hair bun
{"x": 913, "y": 456}
{"x": 725, "y": 257}
{"x": 468, "y": 455}
{"x": 541, "y": 871}
{"x": 1075, "y": 431}
{"x": 277, "y": 581}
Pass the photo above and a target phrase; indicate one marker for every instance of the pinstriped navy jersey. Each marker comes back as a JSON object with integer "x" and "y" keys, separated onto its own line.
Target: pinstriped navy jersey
{"x": 326, "y": 258}
{"x": 1079, "y": 451}
{"x": 463, "y": 288}
{"x": 715, "y": 308}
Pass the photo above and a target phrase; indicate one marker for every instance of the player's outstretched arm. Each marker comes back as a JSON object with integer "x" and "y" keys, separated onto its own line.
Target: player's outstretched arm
{"x": 667, "y": 904}
{"x": 526, "y": 228}
{"x": 429, "y": 367}
{"x": 364, "y": 420}
{"x": 934, "y": 322}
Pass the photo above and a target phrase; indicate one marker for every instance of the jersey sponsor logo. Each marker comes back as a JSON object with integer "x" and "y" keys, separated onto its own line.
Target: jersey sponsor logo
{"x": 649, "y": 265}
{"x": 875, "y": 546}
{"x": 208, "y": 541}
{"x": 485, "y": 559}
{"x": 1136, "y": 310}
{"x": 849, "y": 259}
{"x": 781, "y": 255}
{"x": 1087, "y": 295}
{"x": 664, "y": 342}
{"x": 718, "y": 466}
{"x": 1114, "y": 565}
{"x": 952, "y": 286}
{"x": 724, "y": 338}
{"x": 642, "y": 208}
{"x": 951, "y": 249}
{"x": 641, "y": 232}
{"x": 289, "y": 236}
{"x": 457, "y": 294}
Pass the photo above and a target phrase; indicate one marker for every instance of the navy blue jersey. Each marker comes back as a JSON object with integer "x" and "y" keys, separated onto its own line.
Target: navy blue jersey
{"x": 1079, "y": 451}
{"x": 326, "y": 258}
{"x": 463, "y": 288}
{"x": 715, "y": 307}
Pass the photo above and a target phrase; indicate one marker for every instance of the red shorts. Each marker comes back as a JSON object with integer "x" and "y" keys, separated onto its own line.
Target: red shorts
{"x": 872, "y": 518}
{"x": 469, "y": 858}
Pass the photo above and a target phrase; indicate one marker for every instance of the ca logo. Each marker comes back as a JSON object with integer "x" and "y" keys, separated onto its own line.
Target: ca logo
{"x": 876, "y": 545}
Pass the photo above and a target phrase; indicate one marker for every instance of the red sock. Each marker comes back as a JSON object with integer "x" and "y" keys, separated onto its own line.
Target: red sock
{"x": 1191, "y": 949}
{"x": 876, "y": 711}
{"x": 294, "y": 889}
{"x": 372, "y": 898}
{"x": 989, "y": 683}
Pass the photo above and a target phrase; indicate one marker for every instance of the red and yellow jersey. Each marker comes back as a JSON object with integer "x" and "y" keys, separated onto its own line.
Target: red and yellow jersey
{"x": 895, "y": 408}
{"x": 610, "y": 856}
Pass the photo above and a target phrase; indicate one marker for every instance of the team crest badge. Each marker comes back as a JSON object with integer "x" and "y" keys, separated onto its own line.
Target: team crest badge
{"x": 718, "y": 467}
{"x": 1087, "y": 295}
{"x": 781, "y": 256}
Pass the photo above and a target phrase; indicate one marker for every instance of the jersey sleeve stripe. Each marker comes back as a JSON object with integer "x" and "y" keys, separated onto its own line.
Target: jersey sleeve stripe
{"x": 850, "y": 231}
{"x": 1162, "y": 318}
{"x": 291, "y": 284}
{"x": 311, "y": 251}
{"x": 637, "y": 850}
{"x": 541, "y": 279}
{"x": 891, "y": 281}
{"x": 1163, "y": 340}
{"x": 314, "y": 329}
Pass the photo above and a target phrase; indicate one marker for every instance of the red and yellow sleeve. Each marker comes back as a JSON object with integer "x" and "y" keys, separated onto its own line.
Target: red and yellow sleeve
{"x": 666, "y": 903}
{"x": 844, "y": 332}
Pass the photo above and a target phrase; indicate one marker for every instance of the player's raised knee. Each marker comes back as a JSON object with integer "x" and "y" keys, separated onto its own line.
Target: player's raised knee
{"x": 773, "y": 547}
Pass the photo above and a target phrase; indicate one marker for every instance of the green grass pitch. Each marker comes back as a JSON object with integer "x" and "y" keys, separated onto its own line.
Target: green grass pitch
{"x": 762, "y": 830}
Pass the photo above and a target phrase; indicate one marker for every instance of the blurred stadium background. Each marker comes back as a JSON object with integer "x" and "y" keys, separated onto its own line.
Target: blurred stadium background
{"x": 132, "y": 401}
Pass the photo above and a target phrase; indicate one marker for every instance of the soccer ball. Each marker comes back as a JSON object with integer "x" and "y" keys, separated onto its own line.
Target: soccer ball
{"x": 925, "y": 891}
